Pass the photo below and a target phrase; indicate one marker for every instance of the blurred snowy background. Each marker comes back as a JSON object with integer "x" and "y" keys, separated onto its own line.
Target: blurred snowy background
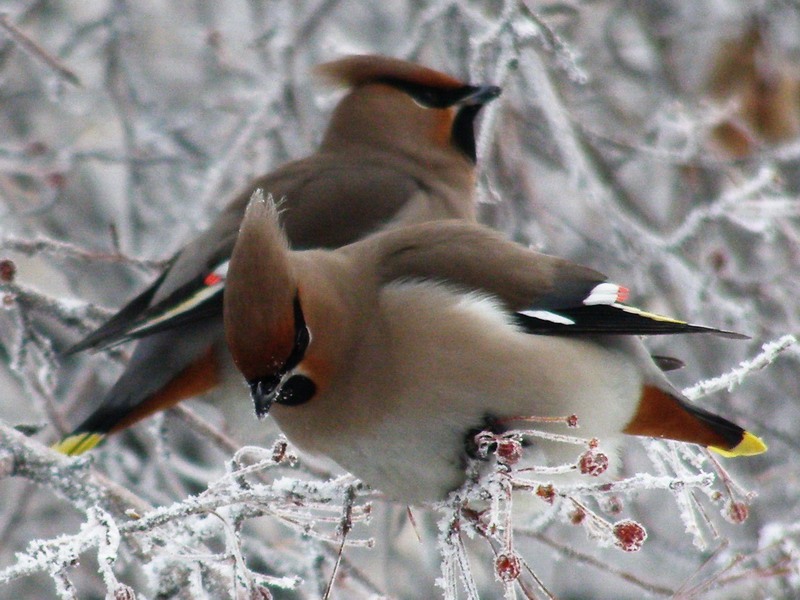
{"x": 658, "y": 142}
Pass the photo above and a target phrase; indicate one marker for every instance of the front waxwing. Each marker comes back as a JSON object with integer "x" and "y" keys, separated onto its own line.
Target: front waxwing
{"x": 450, "y": 328}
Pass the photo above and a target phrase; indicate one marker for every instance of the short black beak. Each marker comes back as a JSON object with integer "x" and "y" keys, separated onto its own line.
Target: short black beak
{"x": 480, "y": 95}
{"x": 463, "y": 131}
{"x": 262, "y": 391}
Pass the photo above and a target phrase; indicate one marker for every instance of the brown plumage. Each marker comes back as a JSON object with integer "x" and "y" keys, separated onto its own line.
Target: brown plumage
{"x": 385, "y": 354}
{"x": 399, "y": 148}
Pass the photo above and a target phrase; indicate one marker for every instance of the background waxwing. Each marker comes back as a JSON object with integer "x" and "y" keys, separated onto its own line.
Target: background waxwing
{"x": 387, "y": 355}
{"x": 399, "y": 148}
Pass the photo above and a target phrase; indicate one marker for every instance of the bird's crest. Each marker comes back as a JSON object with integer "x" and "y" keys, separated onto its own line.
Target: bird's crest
{"x": 353, "y": 71}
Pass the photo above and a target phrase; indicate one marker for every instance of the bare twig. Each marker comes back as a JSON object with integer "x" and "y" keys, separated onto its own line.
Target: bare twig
{"x": 35, "y": 51}
{"x": 59, "y": 249}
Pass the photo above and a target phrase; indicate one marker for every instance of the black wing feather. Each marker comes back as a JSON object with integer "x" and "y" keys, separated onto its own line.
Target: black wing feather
{"x": 120, "y": 322}
{"x": 604, "y": 319}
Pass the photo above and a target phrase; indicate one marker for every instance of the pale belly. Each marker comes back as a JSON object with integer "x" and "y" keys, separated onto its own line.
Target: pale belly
{"x": 419, "y": 385}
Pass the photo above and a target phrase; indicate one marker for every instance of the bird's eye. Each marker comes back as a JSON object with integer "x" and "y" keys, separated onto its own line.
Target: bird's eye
{"x": 296, "y": 390}
{"x": 425, "y": 98}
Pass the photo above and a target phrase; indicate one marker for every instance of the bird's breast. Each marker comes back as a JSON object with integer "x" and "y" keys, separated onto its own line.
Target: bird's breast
{"x": 431, "y": 368}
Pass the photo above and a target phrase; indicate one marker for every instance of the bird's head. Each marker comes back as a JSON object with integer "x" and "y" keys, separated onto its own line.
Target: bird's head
{"x": 402, "y": 105}
{"x": 265, "y": 325}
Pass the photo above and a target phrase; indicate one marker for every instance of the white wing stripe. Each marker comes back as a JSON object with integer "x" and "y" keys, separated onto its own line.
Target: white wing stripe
{"x": 546, "y": 315}
{"x": 198, "y": 298}
{"x": 606, "y": 293}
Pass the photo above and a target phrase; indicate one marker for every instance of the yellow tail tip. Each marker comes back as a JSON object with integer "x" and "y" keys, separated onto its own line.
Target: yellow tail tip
{"x": 749, "y": 446}
{"x": 78, "y": 443}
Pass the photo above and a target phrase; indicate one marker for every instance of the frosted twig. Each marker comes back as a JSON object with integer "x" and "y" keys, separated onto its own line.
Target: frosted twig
{"x": 205, "y": 429}
{"x": 252, "y": 126}
{"x": 426, "y": 19}
{"x": 70, "y": 478}
{"x": 39, "y": 464}
{"x": 639, "y": 482}
{"x": 455, "y": 562}
{"x": 605, "y": 566}
{"x": 719, "y": 209}
{"x": 583, "y": 175}
{"x": 60, "y": 249}
{"x": 70, "y": 313}
{"x": 733, "y": 378}
{"x": 56, "y": 554}
{"x": 666, "y": 460}
{"x": 728, "y": 574}
{"x": 345, "y": 525}
{"x": 565, "y": 54}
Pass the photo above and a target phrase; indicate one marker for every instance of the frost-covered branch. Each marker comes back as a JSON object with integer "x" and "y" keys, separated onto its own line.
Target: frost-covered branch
{"x": 71, "y": 479}
{"x": 58, "y": 249}
{"x": 305, "y": 506}
{"x": 733, "y": 378}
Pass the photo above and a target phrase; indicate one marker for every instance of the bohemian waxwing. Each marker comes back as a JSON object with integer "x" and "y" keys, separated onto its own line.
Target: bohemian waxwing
{"x": 389, "y": 354}
{"x": 400, "y": 148}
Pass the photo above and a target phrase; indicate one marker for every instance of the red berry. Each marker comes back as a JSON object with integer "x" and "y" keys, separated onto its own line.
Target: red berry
{"x": 509, "y": 451}
{"x": 577, "y": 516}
{"x": 7, "y": 270}
{"x": 508, "y": 567}
{"x": 593, "y": 463}
{"x": 630, "y": 535}
{"x": 546, "y": 493}
{"x": 736, "y": 512}
{"x": 56, "y": 180}
{"x": 123, "y": 592}
{"x": 279, "y": 451}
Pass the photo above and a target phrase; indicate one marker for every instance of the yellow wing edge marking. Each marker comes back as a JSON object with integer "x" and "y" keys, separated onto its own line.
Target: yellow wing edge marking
{"x": 749, "y": 446}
